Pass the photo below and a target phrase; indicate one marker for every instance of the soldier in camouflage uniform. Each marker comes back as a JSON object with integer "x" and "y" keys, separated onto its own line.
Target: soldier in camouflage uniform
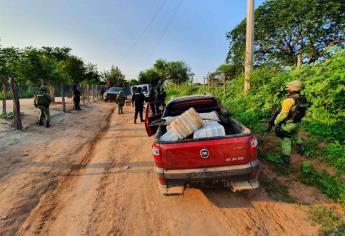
{"x": 120, "y": 100}
{"x": 42, "y": 101}
{"x": 287, "y": 120}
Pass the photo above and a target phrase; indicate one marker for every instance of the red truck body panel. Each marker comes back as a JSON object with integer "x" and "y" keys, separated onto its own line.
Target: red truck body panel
{"x": 227, "y": 151}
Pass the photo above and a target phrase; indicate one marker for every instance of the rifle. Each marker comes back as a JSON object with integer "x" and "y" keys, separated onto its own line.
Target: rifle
{"x": 271, "y": 121}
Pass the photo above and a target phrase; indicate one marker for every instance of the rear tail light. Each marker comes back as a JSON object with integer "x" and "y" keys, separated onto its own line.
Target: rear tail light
{"x": 253, "y": 142}
{"x": 253, "y": 148}
{"x": 156, "y": 153}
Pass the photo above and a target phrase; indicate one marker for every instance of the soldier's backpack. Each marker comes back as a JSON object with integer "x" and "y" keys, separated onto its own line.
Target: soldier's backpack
{"x": 302, "y": 105}
{"x": 43, "y": 99}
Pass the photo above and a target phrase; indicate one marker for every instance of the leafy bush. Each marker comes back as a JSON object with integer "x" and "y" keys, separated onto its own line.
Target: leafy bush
{"x": 331, "y": 223}
{"x": 7, "y": 116}
{"x": 334, "y": 153}
{"x": 332, "y": 186}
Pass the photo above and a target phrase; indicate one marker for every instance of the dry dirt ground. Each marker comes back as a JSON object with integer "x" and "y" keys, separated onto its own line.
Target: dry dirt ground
{"x": 91, "y": 173}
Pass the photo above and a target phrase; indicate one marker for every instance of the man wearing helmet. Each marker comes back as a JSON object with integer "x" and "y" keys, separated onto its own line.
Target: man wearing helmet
{"x": 287, "y": 119}
{"x": 42, "y": 101}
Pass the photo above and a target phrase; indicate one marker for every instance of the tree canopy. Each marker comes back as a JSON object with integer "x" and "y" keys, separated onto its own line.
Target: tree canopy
{"x": 287, "y": 29}
{"x": 115, "y": 77}
{"x": 174, "y": 71}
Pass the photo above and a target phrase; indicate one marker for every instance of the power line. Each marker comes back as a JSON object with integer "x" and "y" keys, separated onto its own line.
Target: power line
{"x": 147, "y": 26}
{"x": 168, "y": 25}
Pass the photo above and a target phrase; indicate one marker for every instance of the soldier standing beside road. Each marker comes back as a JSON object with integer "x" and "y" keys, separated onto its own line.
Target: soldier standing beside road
{"x": 287, "y": 119}
{"x": 42, "y": 101}
{"x": 138, "y": 99}
{"x": 120, "y": 100}
{"x": 152, "y": 96}
{"x": 76, "y": 98}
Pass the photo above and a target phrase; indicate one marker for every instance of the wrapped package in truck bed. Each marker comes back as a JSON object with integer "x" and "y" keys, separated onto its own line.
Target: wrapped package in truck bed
{"x": 186, "y": 123}
{"x": 210, "y": 129}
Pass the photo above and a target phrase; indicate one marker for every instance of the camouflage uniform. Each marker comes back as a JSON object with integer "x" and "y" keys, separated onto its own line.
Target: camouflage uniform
{"x": 42, "y": 101}
{"x": 287, "y": 121}
{"x": 120, "y": 100}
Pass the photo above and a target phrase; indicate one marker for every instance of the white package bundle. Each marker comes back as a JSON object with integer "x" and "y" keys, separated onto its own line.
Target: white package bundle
{"x": 210, "y": 129}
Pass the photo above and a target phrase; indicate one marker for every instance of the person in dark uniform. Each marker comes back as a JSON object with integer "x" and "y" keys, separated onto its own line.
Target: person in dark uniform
{"x": 152, "y": 96}
{"x": 158, "y": 99}
{"x": 76, "y": 98}
{"x": 138, "y": 99}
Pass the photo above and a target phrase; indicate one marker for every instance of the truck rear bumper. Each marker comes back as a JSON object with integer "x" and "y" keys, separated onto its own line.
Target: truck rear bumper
{"x": 221, "y": 172}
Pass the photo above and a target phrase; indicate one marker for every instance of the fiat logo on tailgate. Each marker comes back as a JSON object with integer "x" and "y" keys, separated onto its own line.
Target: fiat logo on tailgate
{"x": 204, "y": 153}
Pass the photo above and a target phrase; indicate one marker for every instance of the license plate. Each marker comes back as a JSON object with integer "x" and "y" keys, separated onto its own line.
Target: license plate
{"x": 209, "y": 174}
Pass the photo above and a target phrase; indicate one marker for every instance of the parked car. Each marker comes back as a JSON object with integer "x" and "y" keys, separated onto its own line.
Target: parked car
{"x": 145, "y": 89}
{"x": 111, "y": 93}
{"x": 230, "y": 160}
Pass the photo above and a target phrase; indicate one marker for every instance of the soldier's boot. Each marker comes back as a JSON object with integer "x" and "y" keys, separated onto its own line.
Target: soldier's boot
{"x": 300, "y": 149}
{"x": 47, "y": 124}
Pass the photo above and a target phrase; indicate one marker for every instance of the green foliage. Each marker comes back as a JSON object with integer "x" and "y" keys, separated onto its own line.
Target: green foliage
{"x": 334, "y": 153}
{"x": 176, "y": 72}
{"x": 299, "y": 26}
{"x": 115, "y": 77}
{"x": 7, "y": 116}
{"x": 229, "y": 70}
{"x": 331, "y": 224}
{"x": 332, "y": 186}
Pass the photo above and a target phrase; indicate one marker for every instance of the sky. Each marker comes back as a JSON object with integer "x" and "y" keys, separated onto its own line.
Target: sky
{"x": 130, "y": 34}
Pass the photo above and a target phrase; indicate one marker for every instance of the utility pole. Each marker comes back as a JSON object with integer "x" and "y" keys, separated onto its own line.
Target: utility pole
{"x": 249, "y": 44}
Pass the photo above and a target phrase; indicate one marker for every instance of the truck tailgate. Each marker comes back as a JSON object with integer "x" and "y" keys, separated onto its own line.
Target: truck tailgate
{"x": 209, "y": 153}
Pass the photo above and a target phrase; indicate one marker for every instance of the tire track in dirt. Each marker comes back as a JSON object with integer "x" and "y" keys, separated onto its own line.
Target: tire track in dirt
{"x": 48, "y": 206}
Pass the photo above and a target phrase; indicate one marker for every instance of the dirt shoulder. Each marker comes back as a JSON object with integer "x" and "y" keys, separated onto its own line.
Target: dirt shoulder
{"x": 33, "y": 160}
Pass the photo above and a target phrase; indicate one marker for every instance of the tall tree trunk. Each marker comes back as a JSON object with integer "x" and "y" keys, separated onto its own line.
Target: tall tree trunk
{"x": 88, "y": 93}
{"x": 52, "y": 92}
{"x": 16, "y": 106}
{"x": 83, "y": 93}
{"x": 63, "y": 97}
{"x": 4, "y": 96}
{"x": 93, "y": 93}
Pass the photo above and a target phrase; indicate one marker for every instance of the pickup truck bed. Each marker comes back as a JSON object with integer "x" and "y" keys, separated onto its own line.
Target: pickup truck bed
{"x": 229, "y": 159}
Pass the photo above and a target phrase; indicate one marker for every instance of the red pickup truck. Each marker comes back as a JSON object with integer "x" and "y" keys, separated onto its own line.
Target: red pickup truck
{"x": 230, "y": 159}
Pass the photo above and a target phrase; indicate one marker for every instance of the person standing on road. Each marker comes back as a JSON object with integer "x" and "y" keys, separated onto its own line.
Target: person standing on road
{"x": 138, "y": 99}
{"x": 152, "y": 96}
{"x": 76, "y": 98}
{"x": 287, "y": 119}
{"x": 120, "y": 100}
{"x": 158, "y": 99}
{"x": 42, "y": 101}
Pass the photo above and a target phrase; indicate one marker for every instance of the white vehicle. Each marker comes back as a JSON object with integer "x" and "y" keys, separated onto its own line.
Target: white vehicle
{"x": 145, "y": 89}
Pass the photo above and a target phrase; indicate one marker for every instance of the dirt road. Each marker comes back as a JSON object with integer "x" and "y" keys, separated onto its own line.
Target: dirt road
{"x": 104, "y": 184}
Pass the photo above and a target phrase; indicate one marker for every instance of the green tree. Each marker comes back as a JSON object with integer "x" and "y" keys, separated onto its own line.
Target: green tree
{"x": 149, "y": 76}
{"x": 75, "y": 68}
{"x": 115, "y": 77}
{"x": 291, "y": 32}
{"x": 10, "y": 67}
{"x": 178, "y": 72}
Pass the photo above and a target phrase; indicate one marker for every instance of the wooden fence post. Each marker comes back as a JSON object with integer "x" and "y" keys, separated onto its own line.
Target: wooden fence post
{"x": 63, "y": 97}
{"x": 16, "y": 106}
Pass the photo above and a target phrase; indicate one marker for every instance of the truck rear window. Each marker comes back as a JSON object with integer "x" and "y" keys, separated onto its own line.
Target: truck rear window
{"x": 200, "y": 105}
